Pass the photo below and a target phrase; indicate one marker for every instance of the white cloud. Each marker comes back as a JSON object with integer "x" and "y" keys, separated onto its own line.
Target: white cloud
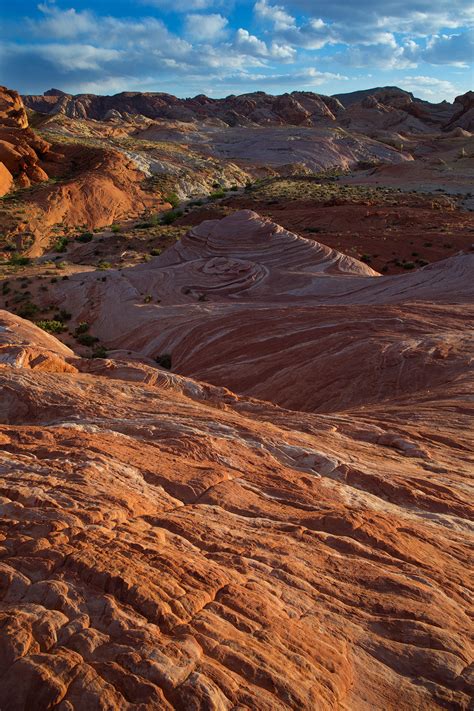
{"x": 430, "y": 88}
{"x": 182, "y": 5}
{"x": 62, "y": 24}
{"x": 455, "y": 49}
{"x": 205, "y": 27}
{"x": 275, "y": 14}
{"x": 75, "y": 48}
{"x": 75, "y": 56}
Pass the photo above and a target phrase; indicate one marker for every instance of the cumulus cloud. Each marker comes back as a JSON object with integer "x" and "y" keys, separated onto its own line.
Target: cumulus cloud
{"x": 430, "y": 88}
{"x": 416, "y": 16}
{"x": 205, "y": 27}
{"x": 455, "y": 49}
{"x": 77, "y": 49}
{"x": 183, "y": 5}
{"x": 277, "y": 15}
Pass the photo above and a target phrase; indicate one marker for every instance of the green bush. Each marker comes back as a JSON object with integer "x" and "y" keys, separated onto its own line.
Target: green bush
{"x": 85, "y": 237}
{"x": 83, "y": 327}
{"x": 173, "y": 199}
{"x": 17, "y": 260}
{"x": 63, "y": 315}
{"x": 156, "y": 252}
{"x": 86, "y": 339}
{"x": 217, "y": 194}
{"x": 28, "y": 309}
{"x": 99, "y": 352}
{"x": 61, "y": 244}
{"x": 170, "y": 216}
{"x": 52, "y": 326}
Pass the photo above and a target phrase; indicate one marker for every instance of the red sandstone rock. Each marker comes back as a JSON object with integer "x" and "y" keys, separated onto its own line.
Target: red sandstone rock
{"x": 12, "y": 111}
{"x": 158, "y": 551}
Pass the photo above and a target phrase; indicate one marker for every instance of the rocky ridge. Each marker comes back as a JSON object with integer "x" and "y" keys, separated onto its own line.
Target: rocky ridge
{"x": 299, "y": 108}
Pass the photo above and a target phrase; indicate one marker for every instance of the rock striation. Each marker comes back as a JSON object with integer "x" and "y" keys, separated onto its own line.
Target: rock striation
{"x": 21, "y": 150}
{"x": 258, "y": 108}
{"x": 242, "y": 303}
{"x": 166, "y": 543}
{"x": 388, "y": 107}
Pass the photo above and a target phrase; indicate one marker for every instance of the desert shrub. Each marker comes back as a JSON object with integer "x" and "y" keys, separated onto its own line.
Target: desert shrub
{"x": 156, "y": 251}
{"x": 83, "y": 327}
{"x": 170, "y": 216}
{"x": 99, "y": 352}
{"x": 86, "y": 339}
{"x": 61, "y": 244}
{"x": 234, "y": 188}
{"x": 104, "y": 265}
{"x": 408, "y": 265}
{"x": 28, "y": 309}
{"x": 115, "y": 228}
{"x": 63, "y": 315}
{"x": 85, "y": 237}
{"x": 17, "y": 260}
{"x": 366, "y": 258}
{"x": 164, "y": 360}
{"x": 147, "y": 299}
{"x": 51, "y": 326}
{"x": 217, "y": 194}
{"x": 172, "y": 198}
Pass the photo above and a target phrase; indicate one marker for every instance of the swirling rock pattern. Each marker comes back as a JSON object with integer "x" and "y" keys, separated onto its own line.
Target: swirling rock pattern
{"x": 167, "y": 543}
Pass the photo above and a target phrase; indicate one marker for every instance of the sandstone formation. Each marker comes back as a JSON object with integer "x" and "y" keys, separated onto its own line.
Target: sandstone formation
{"x": 244, "y": 304}
{"x": 170, "y": 544}
{"x": 12, "y": 111}
{"x": 95, "y": 185}
{"x": 299, "y": 108}
{"x": 20, "y": 149}
{"x": 240, "y": 477}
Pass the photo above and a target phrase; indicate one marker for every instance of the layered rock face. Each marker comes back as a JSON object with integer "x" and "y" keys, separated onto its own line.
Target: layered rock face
{"x": 167, "y": 543}
{"x": 243, "y": 303}
{"x": 12, "y": 111}
{"x": 98, "y": 184}
{"x": 21, "y": 150}
{"x": 389, "y": 107}
{"x": 297, "y": 108}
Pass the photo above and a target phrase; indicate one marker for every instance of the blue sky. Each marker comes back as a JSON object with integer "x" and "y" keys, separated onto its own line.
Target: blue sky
{"x": 221, "y": 47}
